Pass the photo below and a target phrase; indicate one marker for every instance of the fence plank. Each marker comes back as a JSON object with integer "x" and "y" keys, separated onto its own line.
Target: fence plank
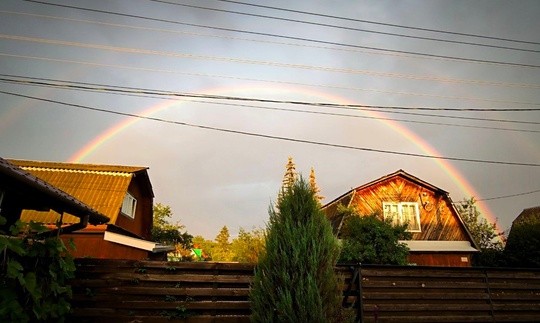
{"x": 154, "y": 291}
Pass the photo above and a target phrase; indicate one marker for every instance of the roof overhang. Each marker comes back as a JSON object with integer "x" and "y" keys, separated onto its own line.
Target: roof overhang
{"x": 438, "y": 246}
{"x": 136, "y": 243}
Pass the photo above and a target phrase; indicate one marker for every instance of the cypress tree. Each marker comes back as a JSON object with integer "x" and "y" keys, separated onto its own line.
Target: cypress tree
{"x": 295, "y": 279}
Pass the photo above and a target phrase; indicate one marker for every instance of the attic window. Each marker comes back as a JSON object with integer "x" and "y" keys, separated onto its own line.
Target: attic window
{"x": 401, "y": 213}
{"x": 129, "y": 205}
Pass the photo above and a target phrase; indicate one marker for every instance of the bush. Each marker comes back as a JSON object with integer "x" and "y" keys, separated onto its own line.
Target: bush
{"x": 295, "y": 279}
{"x": 34, "y": 272}
{"x": 369, "y": 240}
{"x": 523, "y": 246}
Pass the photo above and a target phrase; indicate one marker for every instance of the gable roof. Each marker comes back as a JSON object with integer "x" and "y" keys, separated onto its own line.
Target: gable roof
{"x": 103, "y": 187}
{"x": 330, "y": 208}
{"x": 40, "y": 194}
{"x": 528, "y": 216}
{"x": 336, "y": 219}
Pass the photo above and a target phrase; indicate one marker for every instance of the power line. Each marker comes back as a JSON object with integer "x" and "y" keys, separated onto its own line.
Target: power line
{"x": 508, "y": 196}
{"x": 384, "y": 24}
{"x": 258, "y": 40}
{"x": 288, "y": 37}
{"x": 347, "y": 28}
{"x": 259, "y": 135}
{"x": 271, "y": 81}
{"x": 101, "y": 86}
{"x": 236, "y": 98}
{"x": 268, "y": 63}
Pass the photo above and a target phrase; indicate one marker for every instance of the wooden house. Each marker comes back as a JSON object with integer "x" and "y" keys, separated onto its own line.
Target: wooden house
{"x": 439, "y": 235}
{"x": 121, "y": 193}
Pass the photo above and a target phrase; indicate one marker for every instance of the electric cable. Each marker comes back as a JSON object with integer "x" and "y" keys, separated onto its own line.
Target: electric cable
{"x": 259, "y": 135}
{"x": 346, "y": 28}
{"x": 292, "y": 102}
{"x": 267, "y": 81}
{"x": 283, "y": 36}
{"x": 268, "y": 63}
{"x": 383, "y": 23}
{"x": 99, "y": 90}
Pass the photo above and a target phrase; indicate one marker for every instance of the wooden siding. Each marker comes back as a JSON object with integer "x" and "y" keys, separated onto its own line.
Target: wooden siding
{"x": 147, "y": 291}
{"x": 440, "y": 259}
{"x": 141, "y": 224}
{"x": 438, "y": 218}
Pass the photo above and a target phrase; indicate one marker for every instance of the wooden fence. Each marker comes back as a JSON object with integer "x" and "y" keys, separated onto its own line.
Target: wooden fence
{"x": 152, "y": 291}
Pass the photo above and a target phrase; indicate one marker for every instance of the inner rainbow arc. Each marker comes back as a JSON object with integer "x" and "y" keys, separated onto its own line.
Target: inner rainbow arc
{"x": 445, "y": 165}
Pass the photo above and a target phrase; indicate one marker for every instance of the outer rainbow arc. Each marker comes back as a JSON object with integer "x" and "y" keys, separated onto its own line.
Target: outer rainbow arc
{"x": 454, "y": 175}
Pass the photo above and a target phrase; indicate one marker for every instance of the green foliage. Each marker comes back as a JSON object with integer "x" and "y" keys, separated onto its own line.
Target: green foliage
{"x": 295, "y": 279}
{"x": 33, "y": 276}
{"x": 179, "y": 312}
{"x": 523, "y": 246}
{"x": 222, "y": 249}
{"x": 248, "y": 246}
{"x": 484, "y": 233}
{"x": 370, "y": 240}
{"x": 169, "y": 233}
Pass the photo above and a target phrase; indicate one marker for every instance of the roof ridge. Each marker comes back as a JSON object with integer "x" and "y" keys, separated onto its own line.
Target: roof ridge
{"x": 80, "y": 171}
{"x": 46, "y": 165}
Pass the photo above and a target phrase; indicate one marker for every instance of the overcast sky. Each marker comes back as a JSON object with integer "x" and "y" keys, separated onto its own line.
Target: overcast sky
{"x": 213, "y": 177}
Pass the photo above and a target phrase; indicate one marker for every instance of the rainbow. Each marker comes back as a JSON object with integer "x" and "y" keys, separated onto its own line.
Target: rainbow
{"x": 445, "y": 165}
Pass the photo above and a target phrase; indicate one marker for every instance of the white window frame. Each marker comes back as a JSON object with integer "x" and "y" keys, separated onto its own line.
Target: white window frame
{"x": 394, "y": 212}
{"x": 129, "y": 205}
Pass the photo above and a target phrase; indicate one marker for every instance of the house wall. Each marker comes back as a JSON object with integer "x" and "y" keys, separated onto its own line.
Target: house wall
{"x": 141, "y": 225}
{"x": 440, "y": 259}
{"x": 437, "y": 218}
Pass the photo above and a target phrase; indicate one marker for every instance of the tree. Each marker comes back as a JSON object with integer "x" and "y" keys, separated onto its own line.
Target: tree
{"x": 523, "y": 246}
{"x": 370, "y": 240}
{"x": 295, "y": 279}
{"x": 248, "y": 246}
{"x": 222, "y": 248}
{"x": 314, "y": 187}
{"x": 484, "y": 233}
{"x": 166, "y": 232}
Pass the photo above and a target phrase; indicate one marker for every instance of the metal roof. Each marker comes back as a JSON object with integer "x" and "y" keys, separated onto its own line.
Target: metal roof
{"x": 48, "y": 195}
{"x": 102, "y": 187}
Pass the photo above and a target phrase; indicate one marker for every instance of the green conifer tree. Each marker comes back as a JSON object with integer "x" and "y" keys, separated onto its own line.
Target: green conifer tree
{"x": 295, "y": 279}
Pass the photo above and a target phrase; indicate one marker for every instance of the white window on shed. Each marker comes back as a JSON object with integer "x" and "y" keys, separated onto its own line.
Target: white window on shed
{"x": 129, "y": 205}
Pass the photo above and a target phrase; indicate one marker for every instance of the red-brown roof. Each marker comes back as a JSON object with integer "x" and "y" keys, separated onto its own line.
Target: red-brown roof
{"x": 102, "y": 187}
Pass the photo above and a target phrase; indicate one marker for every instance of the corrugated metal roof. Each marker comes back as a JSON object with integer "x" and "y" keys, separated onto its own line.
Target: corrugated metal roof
{"x": 102, "y": 187}
{"x": 67, "y": 202}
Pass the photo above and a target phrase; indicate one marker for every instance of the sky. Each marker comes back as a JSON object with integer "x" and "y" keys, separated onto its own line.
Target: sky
{"x": 320, "y": 81}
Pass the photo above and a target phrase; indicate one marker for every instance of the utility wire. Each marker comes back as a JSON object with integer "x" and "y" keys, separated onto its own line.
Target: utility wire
{"x": 346, "y": 28}
{"x": 382, "y": 23}
{"x": 287, "y": 37}
{"x": 259, "y": 135}
{"x": 293, "y": 110}
{"x": 257, "y": 40}
{"x": 268, "y": 81}
{"x": 235, "y": 98}
{"x": 508, "y": 196}
{"x": 337, "y": 107}
{"x": 268, "y": 63}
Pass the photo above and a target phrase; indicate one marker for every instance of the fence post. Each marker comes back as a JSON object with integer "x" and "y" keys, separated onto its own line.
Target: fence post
{"x": 486, "y": 279}
{"x": 359, "y": 299}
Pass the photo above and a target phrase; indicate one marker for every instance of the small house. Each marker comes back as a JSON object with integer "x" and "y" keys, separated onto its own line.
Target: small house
{"x": 439, "y": 235}
{"x": 123, "y": 194}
